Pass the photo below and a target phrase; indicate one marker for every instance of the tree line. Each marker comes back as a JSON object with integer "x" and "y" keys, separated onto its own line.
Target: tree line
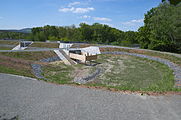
{"x": 95, "y": 33}
{"x": 13, "y": 35}
{"x": 162, "y": 28}
{"x": 161, "y": 31}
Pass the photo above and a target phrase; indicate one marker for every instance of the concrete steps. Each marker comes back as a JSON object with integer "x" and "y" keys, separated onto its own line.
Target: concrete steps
{"x": 65, "y": 54}
{"x": 64, "y": 57}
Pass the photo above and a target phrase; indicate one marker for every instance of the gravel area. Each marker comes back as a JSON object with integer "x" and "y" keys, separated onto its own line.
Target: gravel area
{"x": 174, "y": 67}
{"x": 37, "y": 71}
{"x": 88, "y": 78}
{"x": 37, "y": 100}
{"x": 36, "y": 68}
{"x": 51, "y": 59}
{"x": 111, "y": 46}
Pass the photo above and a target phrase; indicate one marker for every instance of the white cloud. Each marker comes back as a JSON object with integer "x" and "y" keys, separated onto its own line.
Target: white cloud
{"x": 73, "y": 4}
{"x": 85, "y": 17}
{"x": 83, "y": 10}
{"x": 66, "y": 9}
{"x": 70, "y": 8}
{"x": 102, "y": 19}
{"x": 137, "y": 21}
{"x": 132, "y": 22}
{"x": 77, "y": 10}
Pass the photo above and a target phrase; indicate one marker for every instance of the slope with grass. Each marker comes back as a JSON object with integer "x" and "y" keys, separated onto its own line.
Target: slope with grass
{"x": 19, "y": 63}
{"x": 44, "y": 45}
{"x": 170, "y": 57}
{"x": 5, "y": 48}
{"x": 133, "y": 73}
{"x": 7, "y": 45}
{"x": 121, "y": 72}
{"x": 8, "y": 42}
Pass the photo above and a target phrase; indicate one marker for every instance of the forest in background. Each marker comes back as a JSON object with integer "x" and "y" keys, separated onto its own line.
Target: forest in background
{"x": 161, "y": 31}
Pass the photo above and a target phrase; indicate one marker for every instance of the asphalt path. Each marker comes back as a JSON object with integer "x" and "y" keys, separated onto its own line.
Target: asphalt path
{"x": 29, "y": 99}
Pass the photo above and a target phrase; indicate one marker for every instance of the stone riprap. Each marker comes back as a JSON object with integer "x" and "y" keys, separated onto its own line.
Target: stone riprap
{"x": 88, "y": 78}
{"x": 37, "y": 71}
{"x": 51, "y": 59}
{"x": 129, "y": 48}
{"x": 174, "y": 67}
{"x": 36, "y": 68}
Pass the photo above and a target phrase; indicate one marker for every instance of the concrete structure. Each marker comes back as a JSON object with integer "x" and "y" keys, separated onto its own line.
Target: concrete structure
{"x": 62, "y": 57}
{"x": 83, "y": 56}
{"x": 93, "y": 50}
{"x": 22, "y": 45}
{"x": 65, "y": 45}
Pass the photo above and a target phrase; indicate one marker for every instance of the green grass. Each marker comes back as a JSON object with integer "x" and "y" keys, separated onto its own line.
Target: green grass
{"x": 44, "y": 45}
{"x": 34, "y": 56}
{"x": 7, "y": 42}
{"x": 133, "y": 73}
{"x": 172, "y": 58}
{"x": 58, "y": 74}
{"x": 121, "y": 72}
{"x": 19, "y": 62}
{"x": 15, "y": 71}
{"x": 5, "y": 48}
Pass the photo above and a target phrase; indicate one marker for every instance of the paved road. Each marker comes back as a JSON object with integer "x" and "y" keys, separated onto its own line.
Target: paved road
{"x": 30, "y": 99}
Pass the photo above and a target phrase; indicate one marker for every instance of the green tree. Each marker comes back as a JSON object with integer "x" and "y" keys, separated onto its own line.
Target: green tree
{"x": 161, "y": 30}
{"x": 173, "y": 2}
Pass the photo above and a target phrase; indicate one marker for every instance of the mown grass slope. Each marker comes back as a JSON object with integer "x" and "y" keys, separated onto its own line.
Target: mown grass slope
{"x": 44, "y": 45}
{"x": 19, "y": 63}
{"x": 170, "y": 57}
{"x": 121, "y": 72}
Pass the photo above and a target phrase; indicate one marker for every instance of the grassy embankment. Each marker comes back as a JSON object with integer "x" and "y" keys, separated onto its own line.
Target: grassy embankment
{"x": 120, "y": 72}
{"x": 19, "y": 63}
{"x": 3, "y": 42}
{"x": 169, "y": 57}
{"x": 44, "y": 45}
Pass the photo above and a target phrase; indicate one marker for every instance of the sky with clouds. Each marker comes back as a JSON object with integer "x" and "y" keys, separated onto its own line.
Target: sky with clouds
{"x": 122, "y": 14}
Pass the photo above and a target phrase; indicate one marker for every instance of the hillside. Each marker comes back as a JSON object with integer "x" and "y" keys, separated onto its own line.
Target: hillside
{"x": 25, "y": 30}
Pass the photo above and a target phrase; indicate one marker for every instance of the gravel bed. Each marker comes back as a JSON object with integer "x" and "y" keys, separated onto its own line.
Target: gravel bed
{"x": 174, "y": 67}
{"x": 88, "y": 78}
{"x": 51, "y": 59}
{"x": 36, "y": 68}
{"x": 111, "y": 46}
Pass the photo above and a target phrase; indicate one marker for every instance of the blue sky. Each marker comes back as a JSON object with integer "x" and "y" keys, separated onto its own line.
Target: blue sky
{"x": 122, "y": 14}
